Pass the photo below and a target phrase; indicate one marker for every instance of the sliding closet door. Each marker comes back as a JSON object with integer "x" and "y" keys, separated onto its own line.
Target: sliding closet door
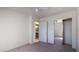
{"x": 43, "y": 31}
{"x": 51, "y": 32}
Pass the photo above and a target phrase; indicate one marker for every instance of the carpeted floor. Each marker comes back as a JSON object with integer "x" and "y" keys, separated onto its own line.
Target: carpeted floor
{"x": 43, "y": 47}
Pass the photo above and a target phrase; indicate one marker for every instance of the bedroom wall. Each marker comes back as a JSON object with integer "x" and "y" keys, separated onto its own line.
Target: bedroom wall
{"x": 14, "y": 29}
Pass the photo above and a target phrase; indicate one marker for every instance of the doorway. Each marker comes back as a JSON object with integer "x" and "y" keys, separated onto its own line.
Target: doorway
{"x": 58, "y": 31}
{"x": 63, "y": 31}
{"x": 35, "y": 31}
{"x": 67, "y": 31}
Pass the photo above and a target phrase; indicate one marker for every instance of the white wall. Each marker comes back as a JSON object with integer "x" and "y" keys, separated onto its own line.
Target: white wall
{"x": 14, "y": 29}
{"x": 69, "y": 14}
{"x": 77, "y": 29}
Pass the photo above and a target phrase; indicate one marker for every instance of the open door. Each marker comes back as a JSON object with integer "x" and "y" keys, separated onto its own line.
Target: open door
{"x": 46, "y": 31}
{"x": 43, "y": 31}
{"x": 51, "y": 31}
{"x": 67, "y": 31}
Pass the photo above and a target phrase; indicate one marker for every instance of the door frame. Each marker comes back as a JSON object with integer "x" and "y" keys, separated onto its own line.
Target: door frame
{"x": 33, "y": 30}
{"x": 63, "y": 29}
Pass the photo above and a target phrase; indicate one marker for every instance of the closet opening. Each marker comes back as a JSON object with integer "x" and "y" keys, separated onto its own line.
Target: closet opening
{"x": 63, "y": 31}
{"x": 36, "y": 31}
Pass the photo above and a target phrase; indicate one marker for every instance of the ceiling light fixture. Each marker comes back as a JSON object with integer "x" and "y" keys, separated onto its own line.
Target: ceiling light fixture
{"x": 40, "y": 8}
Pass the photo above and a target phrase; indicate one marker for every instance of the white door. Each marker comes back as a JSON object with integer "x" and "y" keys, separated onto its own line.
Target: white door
{"x": 43, "y": 31}
{"x": 51, "y": 31}
{"x": 67, "y": 31}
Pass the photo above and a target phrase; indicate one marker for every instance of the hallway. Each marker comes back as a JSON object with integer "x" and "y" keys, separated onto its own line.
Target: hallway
{"x": 43, "y": 47}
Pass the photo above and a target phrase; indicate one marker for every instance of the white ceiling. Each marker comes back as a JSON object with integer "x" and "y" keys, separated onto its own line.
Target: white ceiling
{"x": 42, "y": 12}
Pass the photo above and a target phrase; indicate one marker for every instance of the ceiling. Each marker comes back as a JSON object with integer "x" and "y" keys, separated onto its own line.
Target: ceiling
{"x": 42, "y": 11}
